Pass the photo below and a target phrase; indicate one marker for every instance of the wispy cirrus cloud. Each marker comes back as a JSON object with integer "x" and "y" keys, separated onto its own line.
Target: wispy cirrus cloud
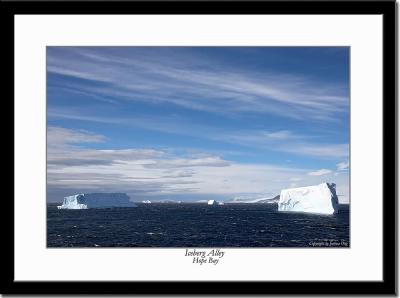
{"x": 320, "y": 172}
{"x": 280, "y": 140}
{"x": 343, "y": 166}
{"x": 320, "y": 150}
{"x": 210, "y": 161}
{"x": 62, "y": 136}
{"x": 290, "y": 142}
{"x": 200, "y": 87}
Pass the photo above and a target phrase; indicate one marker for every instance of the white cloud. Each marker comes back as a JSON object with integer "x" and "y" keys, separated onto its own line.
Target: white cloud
{"x": 319, "y": 150}
{"x": 343, "y": 166}
{"x": 320, "y": 172}
{"x": 261, "y": 137}
{"x": 142, "y": 172}
{"x": 210, "y": 161}
{"x": 62, "y": 149}
{"x": 279, "y": 140}
{"x": 287, "y": 141}
{"x": 60, "y": 135}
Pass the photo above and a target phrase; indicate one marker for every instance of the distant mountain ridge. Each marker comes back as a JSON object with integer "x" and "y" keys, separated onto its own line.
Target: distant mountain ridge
{"x": 273, "y": 200}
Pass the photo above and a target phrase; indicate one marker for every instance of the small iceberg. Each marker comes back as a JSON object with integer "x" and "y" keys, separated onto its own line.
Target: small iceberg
{"x": 214, "y": 202}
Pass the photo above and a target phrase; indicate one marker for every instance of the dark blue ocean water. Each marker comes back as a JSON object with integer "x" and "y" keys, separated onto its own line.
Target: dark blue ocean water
{"x": 195, "y": 225}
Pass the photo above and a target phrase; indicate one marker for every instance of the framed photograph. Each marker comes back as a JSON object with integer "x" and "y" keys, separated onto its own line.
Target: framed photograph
{"x": 201, "y": 147}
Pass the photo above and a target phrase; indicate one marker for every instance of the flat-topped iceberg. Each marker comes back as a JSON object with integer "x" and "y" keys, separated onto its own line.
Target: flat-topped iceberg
{"x": 96, "y": 200}
{"x": 320, "y": 198}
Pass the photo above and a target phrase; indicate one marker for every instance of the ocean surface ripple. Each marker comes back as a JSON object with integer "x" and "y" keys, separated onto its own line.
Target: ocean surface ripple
{"x": 195, "y": 225}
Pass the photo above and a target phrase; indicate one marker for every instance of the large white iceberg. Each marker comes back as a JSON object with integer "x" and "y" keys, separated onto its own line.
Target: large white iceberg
{"x": 96, "y": 200}
{"x": 320, "y": 198}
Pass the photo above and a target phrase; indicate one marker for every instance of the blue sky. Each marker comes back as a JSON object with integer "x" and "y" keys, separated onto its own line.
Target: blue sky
{"x": 196, "y": 123}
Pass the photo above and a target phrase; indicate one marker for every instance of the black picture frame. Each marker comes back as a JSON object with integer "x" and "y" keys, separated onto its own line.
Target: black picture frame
{"x": 385, "y": 8}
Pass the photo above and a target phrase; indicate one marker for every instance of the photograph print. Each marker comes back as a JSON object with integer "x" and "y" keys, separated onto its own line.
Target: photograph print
{"x": 176, "y": 147}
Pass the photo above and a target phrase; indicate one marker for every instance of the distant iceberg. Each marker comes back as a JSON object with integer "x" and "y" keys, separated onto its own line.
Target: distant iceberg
{"x": 96, "y": 200}
{"x": 146, "y": 202}
{"x": 320, "y": 198}
{"x": 214, "y": 202}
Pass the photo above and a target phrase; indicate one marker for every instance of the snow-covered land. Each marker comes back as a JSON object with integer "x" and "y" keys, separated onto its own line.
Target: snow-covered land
{"x": 96, "y": 200}
{"x": 146, "y": 202}
{"x": 274, "y": 200}
{"x": 320, "y": 198}
{"x": 255, "y": 200}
